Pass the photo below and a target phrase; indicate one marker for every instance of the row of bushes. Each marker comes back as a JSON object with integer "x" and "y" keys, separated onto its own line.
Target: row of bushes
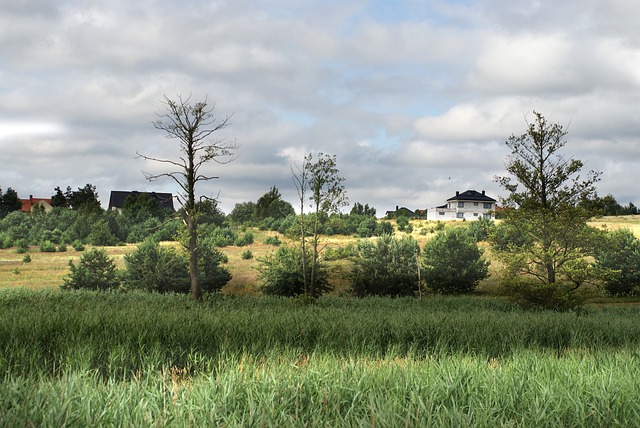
{"x": 151, "y": 267}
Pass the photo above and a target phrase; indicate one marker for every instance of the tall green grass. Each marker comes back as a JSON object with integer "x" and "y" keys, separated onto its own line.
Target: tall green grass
{"x": 104, "y": 359}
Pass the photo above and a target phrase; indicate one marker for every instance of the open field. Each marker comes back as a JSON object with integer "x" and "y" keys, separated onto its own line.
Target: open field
{"x": 137, "y": 359}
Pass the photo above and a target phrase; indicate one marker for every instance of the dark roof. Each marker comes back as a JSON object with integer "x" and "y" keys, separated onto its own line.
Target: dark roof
{"x": 117, "y": 198}
{"x": 471, "y": 195}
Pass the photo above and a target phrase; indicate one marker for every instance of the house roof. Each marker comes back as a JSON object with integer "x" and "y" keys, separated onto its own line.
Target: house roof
{"x": 471, "y": 195}
{"x": 28, "y": 204}
{"x": 118, "y": 197}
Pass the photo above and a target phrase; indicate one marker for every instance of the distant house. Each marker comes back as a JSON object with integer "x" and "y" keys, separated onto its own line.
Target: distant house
{"x": 468, "y": 205}
{"x": 35, "y": 204}
{"x": 118, "y": 198}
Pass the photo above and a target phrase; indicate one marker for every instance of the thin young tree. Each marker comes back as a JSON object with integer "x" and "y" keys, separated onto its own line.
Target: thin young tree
{"x": 319, "y": 183}
{"x": 193, "y": 125}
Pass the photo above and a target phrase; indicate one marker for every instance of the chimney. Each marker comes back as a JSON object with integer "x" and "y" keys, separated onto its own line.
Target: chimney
{"x": 457, "y": 193}
{"x": 483, "y": 193}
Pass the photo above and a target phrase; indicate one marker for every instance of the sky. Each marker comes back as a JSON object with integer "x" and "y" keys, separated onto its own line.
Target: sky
{"x": 416, "y": 99}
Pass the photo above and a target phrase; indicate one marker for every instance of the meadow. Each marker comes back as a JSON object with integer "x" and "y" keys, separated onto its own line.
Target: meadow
{"x": 135, "y": 359}
{"x": 79, "y": 358}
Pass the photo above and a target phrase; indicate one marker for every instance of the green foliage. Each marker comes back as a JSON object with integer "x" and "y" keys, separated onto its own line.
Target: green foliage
{"x": 243, "y": 213}
{"x": 21, "y": 246}
{"x": 481, "y": 229}
{"x": 245, "y": 239}
{"x": 62, "y": 248}
{"x": 163, "y": 269}
{"x": 213, "y": 276}
{"x": 386, "y": 267}
{"x": 271, "y": 205}
{"x": 152, "y": 267}
{"x": 347, "y": 251}
{"x": 47, "y": 247}
{"x": 26, "y": 258}
{"x": 85, "y": 199}
{"x": 95, "y": 271}
{"x": 367, "y": 227}
{"x": 384, "y": 228}
{"x": 78, "y": 245}
{"x": 273, "y": 240}
{"x": 101, "y": 235}
{"x": 9, "y": 202}
{"x": 247, "y": 255}
{"x": 618, "y": 260}
{"x": 364, "y": 210}
{"x": 452, "y": 262}
{"x": 402, "y": 223}
{"x": 281, "y": 273}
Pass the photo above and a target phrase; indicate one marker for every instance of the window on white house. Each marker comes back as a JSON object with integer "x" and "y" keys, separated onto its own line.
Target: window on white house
{"x": 460, "y": 204}
{"x": 441, "y": 213}
{"x": 460, "y": 215}
{"x": 487, "y": 205}
{"x": 475, "y": 204}
{"x": 475, "y": 214}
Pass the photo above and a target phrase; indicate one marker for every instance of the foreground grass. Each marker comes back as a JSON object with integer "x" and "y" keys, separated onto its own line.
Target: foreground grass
{"x": 105, "y": 359}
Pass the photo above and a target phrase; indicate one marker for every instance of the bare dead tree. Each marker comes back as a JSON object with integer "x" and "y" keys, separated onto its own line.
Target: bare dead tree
{"x": 193, "y": 126}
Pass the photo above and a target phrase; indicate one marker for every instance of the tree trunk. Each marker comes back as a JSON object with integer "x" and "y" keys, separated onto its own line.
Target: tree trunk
{"x": 196, "y": 290}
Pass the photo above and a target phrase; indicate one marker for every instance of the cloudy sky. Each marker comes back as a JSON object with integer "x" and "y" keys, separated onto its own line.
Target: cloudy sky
{"x": 415, "y": 98}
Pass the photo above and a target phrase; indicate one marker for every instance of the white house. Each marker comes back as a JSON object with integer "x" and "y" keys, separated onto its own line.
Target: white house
{"x": 469, "y": 205}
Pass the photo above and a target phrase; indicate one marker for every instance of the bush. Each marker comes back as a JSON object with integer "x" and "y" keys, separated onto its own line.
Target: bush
{"x": 281, "y": 273}
{"x": 273, "y": 240}
{"x": 212, "y": 276}
{"x": 481, "y": 229}
{"x": 402, "y": 222}
{"x": 62, "y": 248}
{"x": 452, "y": 262}
{"x": 367, "y": 227}
{"x": 618, "y": 261}
{"x": 386, "y": 267}
{"x": 152, "y": 267}
{"x": 77, "y": 245}
{"x": 247, "y": 255}
{"x": 162, "y": 269}
{"x": 95, "y": 271}
{"x": 26, "y": 258}
{"x": 47, "y": 247}
{"x": 245, "y": 239}
{"x": 21, "y": 246}
{"x": 384, "y": 228}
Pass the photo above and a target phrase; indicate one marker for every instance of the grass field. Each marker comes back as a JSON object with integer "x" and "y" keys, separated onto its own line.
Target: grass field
{"x": 82, "y": 358}
{"x": 135, "y": 359}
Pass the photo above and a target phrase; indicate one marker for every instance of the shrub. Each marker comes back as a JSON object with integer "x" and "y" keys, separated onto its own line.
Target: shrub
{"x": 480, "y": 229}
{"x": 212, "y": 276}
{"x": 273, "y": 240}
{"x": 367, "y": 227}
{"x": 62, "y": 248}
{"x": 247, "y": 255}
{"x": 95, "y": 271}
{"x": 77, "y": 245}
{"x": 26, "y": 258}
{"x": 384, "y": 228}
{"x": 281, "y": 273}
{"x": 402, "y": 222}
{"x": 452, "y": 262}
{"x": 152, "y": 267}
{"x": 47, "y": 247}
{"x": 21, "y": 246}
{"x": 386, "y": 267}
{"x": 618, "y": 260}
{"x": 245, "y": 239}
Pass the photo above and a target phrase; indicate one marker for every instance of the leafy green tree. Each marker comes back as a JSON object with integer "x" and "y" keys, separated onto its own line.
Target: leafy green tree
{"x": 545, "y": 213}
{"x": 365, "y": 209}
{"x": 402, "y": 222}
{"x": 618, "y": 261}
{"x": 271, "y": 205}
{"x": 367, "y": 227}
{"x": 9, "y": 202}
{"x": 319, "y": 183}
{"x": 452, "y": 262}
{"x": 95, "y": 271}
{"x": 384, "y": 228}
{"x": 387, "y": 266}
{"x": 59, "y": 199}
{"x": 192, "y": 125}
{"x": 84, "y": 199}
{"x": 213, "y": 275}
{"x": 281, "y": 273}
